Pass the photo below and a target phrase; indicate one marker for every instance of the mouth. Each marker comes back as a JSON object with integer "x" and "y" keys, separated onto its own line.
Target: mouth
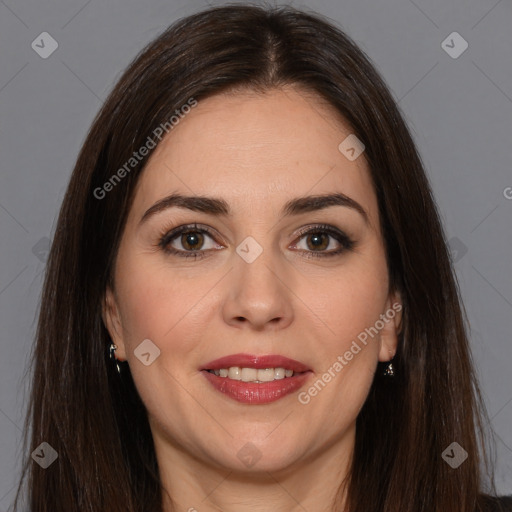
{"x": 260, "y": 375}
{"x": 254, "y": 379}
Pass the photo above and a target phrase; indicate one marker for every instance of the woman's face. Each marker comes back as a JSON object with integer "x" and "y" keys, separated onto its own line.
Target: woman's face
{"x": 269, "y": 280}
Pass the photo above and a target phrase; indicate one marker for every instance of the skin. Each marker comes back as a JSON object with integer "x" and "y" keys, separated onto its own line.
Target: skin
{"x": 256, "y": 151}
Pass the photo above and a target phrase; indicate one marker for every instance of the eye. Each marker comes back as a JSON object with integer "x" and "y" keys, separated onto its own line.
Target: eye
{"x": 190, "y": 240}
{"x": 319, "y": 238}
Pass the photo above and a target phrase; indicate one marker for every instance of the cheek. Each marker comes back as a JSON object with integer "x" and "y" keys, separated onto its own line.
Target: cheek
{"x": 348, "y": 352}
{"x": 153, "y": 300}
{"x": 347, "y": 355}
{"x": 165, "y": 306}
{"x": 167, "y": 309}
{"x": 354, "y": 301}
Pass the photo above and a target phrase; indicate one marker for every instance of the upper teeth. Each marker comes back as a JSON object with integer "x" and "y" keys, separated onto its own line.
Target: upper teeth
{"x": 253, "y": 374}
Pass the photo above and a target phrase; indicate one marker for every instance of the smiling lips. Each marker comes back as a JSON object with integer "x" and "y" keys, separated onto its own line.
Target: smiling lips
{"x": 254, "y": 379}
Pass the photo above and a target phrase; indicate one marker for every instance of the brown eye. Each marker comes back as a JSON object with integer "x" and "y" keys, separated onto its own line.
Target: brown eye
{"x": 319, "y": 238}
{"x": 192, "y": 240}
{"x": 317, "y": 241}
{"x": 188, "y": 241}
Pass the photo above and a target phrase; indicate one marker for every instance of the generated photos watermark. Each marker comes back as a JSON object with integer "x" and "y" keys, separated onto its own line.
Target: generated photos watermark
{"x": 342, "y": 360}
{"x": 143, "y": 151}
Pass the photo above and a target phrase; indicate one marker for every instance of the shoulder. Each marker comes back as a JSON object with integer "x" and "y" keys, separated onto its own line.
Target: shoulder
{"x": 497, "y": 504}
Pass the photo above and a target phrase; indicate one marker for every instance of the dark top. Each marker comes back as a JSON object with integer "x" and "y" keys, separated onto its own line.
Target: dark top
{"x": 501, "y": 504}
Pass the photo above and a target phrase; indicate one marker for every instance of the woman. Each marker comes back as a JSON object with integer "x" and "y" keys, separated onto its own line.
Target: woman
{"x": 249, "y": 303}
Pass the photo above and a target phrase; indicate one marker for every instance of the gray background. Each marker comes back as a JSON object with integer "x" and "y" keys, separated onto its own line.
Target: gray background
{"x": 459, "y": 111}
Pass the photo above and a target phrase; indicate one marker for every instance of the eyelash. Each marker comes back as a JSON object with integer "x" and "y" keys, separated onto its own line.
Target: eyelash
{"x": 166, "y": 237}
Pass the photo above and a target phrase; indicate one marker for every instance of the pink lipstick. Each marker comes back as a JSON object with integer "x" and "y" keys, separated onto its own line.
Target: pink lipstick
{"x": 253, "y": 379}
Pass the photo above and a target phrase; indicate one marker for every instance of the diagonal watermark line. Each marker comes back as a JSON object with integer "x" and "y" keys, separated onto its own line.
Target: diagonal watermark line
{"x": 39, "y": 273}
{"x": 198, "y": 302}
{"x": 270, "y": 475}
{"x": 418, "y": 81}
{"x": 425, "y": 14}
{"x": 9, "y": 284}
{"x": 81, "y": 81}
{"x": 13, "y": 487}
{"x": 309, "y": 190}
{"x": 14, "y": 218}
{"x": 501, "y": 409}
{"x": 484, "y": 218}
{"x": 170, "y": 170}
{"x": 197, "y": 402}
{"x": 506, "y": 445}
{"x": 492, "y": 81}
{"x": 14, "y": 14}
{"x": 492, "y": 429}
{"x": 499, "y": 2}
{"x": 16, "y": 74}
{"x": 286, "y": 491}
{"x": 7, "y": 416}
{"x": 504, "y": 298}
{"x": 493, "y": 416}
{"x": 217, "y": 486}
{"x": 496, "y": 414}
{"x": 75, "y": 15}
{"x": 279, "y": 424}
{"x": 301, "y": 300}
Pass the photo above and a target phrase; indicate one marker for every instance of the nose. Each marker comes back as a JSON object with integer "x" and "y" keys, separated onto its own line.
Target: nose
{"x": 258, "y": 294}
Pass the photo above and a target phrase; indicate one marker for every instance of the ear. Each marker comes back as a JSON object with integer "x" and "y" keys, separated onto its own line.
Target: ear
{"x": 392, "y": 319}
{"x": 112, "y": 321}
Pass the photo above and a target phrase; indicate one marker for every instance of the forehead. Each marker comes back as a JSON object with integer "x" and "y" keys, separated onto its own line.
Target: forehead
{"x": 250, "y": 148}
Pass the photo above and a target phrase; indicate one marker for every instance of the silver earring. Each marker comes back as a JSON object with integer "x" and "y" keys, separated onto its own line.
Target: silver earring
{"x": 112, "y": 351}
{"x": 389, "y": 371}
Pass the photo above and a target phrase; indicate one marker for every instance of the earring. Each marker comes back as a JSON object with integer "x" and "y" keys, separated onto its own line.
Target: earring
{"x": 112, "y": 354}
{"x": 389, "y": 371}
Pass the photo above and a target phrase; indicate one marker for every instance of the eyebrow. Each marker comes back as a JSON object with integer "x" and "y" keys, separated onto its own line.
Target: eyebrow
{"x": 220, "y": 208}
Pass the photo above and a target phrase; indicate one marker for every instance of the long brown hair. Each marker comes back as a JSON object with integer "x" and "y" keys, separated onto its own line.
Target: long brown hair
{"x": 94, "y": 418}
